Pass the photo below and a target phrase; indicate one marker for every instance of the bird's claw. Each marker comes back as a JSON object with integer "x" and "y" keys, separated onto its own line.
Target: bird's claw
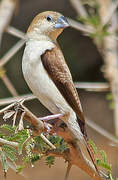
{"x": 47, "y": 118}
{"x": 48, "y": 127}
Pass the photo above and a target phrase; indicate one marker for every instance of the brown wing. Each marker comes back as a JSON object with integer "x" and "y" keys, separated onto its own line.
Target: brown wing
{"x": 57, "y": 69}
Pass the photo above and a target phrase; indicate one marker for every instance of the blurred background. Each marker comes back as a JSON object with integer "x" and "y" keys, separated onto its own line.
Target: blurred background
{"x": 85, "y": 62}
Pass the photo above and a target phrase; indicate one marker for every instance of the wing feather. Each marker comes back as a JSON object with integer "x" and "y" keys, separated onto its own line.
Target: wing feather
{"x": 56, "y": 67}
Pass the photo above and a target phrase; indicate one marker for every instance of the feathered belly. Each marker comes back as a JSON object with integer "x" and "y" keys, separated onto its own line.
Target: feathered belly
{"x": 44, "y": 88}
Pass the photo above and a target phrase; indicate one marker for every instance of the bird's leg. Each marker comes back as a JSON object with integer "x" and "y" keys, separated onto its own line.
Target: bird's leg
{"x": 50, "y": 117}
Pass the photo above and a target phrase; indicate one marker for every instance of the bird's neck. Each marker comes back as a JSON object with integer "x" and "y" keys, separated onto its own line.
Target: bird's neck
{"x": 40, "y": 37}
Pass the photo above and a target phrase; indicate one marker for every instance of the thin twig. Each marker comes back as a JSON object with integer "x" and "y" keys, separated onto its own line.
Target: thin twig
{"x": 7, "y": 8}
{"x": 7, "y": 107}
{"x": 21, "y": 126}
{"x": 16, "y": 32}
{"x": 111, "y": 11}
{"x": 10, "y": 100}
{"x": 11, "y": 52}
{"x": 101, "y": 131}
{"x": 9, "y": 85}
{"x": 90, "y": 86}
{"x": 68, "y": 171}
{"x": 47, "y": 141}
{"x": 37, "y": 123}
{"x": 78, "y": 26}
{"x": 33, "y": 119}
{"x": 91, "y": 124}
{"x": 4, "y": 141}
{"x": 75, "y": 157}
{"x": 54, "y": 116}
{"x": 14, "y": 118}
{"x": 13, "y": 167}
{"x": 77, "y": 4}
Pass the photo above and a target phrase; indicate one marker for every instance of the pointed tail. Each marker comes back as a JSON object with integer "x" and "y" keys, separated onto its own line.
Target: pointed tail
{"x": 88, "y": 145}
{"x": 91, "y": 154}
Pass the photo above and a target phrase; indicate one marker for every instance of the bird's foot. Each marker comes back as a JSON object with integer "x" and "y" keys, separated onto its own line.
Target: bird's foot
{"x": 48, "y": 127}
{"x": 50, "y": 117}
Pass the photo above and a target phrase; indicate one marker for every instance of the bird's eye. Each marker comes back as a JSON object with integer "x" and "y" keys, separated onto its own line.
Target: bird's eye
{"x": 49, "y": 18}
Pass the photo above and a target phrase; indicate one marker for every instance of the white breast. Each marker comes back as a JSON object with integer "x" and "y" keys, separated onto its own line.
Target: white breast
{"x": 38, "y": 80}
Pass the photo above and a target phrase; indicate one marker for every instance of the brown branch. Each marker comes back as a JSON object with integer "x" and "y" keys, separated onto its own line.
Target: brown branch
{"x": 32, "y": 119}
{"x": 74, "y": 156}
{"x": 36, "y": 122}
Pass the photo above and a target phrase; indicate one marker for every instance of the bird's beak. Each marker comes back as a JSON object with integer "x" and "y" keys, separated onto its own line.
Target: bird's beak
{"x": 61, "y": 23}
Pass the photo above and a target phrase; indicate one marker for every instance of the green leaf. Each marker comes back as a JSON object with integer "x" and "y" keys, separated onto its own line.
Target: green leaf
{"x": 93, "y": 20}
{"x": 35, "y": 157}
{"x": 20, "y": 147}
{"x": 4, "y": 161}
{"x": 2, "y": 72}
{"x": 109, "y": 96}
{"x": 10, "y": 152}
{"x": 111, "y": 105}
{"x": 40, "y": 144}
{"x": 54, "y": 139}
{"x": 8, "y": 128}
{"x": 28, "y": 149}
{"x": 50, "y": 160}
{"x": 19, "y": 168}
{"x": 111, "y": 178}
{"x": 20, "y": 136}
{"x": 26, "y": 159}
{"x": 104, "y": 165}
{"x": 104, "y": 155}
{"x": 95, "y": 150}
{"x": 1, "y": 135}
{"x": 59, "y": 142}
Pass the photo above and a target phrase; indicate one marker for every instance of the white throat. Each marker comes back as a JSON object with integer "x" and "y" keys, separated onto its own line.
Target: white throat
{"x": 37, "y": 35}
{"x": 35, "y": 48}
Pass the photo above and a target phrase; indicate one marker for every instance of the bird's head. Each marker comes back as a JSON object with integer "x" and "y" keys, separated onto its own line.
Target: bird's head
{"x": 48, "y": 25}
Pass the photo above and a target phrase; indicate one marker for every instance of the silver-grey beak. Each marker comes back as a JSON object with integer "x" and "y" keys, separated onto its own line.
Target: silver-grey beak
{"x": 61, "y": 23}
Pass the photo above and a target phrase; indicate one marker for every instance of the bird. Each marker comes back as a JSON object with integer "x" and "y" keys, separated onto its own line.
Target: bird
{"x": 48, "y": 76}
